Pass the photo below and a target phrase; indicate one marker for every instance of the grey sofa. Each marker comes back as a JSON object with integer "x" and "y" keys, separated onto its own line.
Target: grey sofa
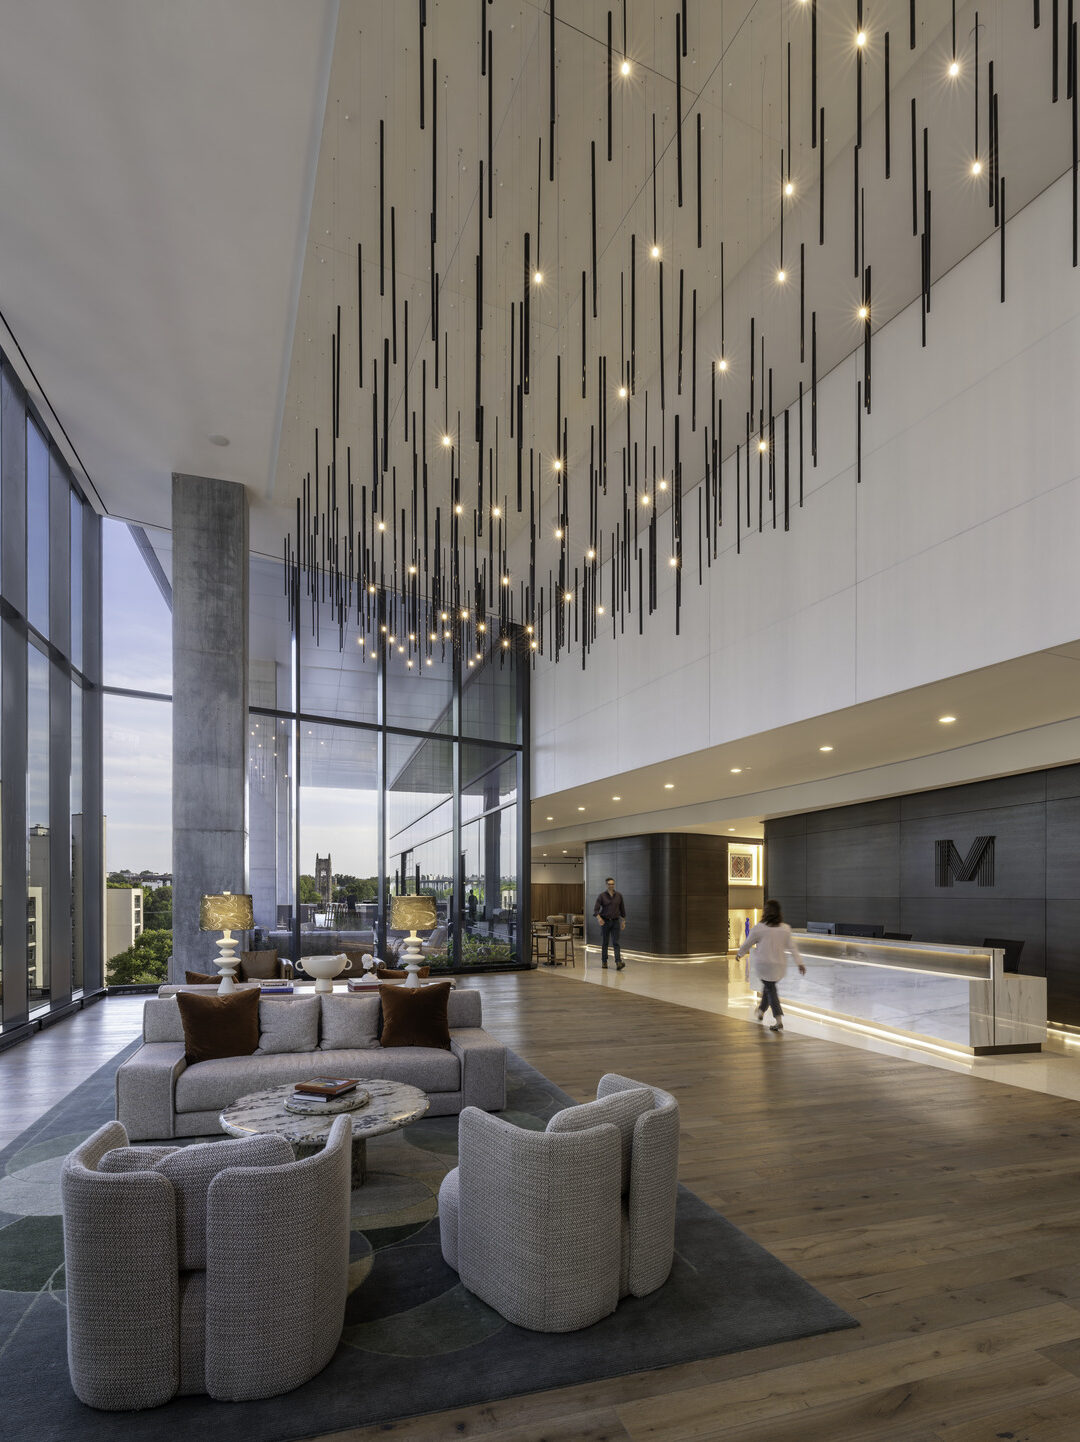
{"x": 551, "y": 1228}
{"x": 174, "y": 1284}
{"x": 159, "y": 1096}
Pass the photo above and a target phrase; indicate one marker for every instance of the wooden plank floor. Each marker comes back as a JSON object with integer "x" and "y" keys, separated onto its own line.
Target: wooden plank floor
{"x": 941, "y": 1210}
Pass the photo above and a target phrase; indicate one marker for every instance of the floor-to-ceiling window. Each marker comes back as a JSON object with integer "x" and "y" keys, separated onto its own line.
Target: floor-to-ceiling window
{"x": 137, "y": 751}
{"x": 50, "y": 693}
{"x": 378, "y": 768}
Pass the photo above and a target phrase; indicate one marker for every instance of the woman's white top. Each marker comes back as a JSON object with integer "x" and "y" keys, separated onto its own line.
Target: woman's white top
{"x": 771, "y": 946}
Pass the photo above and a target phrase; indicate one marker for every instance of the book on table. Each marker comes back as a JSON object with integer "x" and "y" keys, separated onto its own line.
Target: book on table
{"x": 326, "y": 1088}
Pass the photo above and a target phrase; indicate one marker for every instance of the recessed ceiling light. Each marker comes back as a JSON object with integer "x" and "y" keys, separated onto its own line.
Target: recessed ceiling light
{"x": 581, "y": 808}
{"x": 824, "y": 748}
{"x": 219, "y": 440}
{"x": 616, "y": 798}
{"x": 731, "y": 828}
{"x": 946, "y": 720}
{"x": 549, "y": 818}
{"x": 669, "y": 786}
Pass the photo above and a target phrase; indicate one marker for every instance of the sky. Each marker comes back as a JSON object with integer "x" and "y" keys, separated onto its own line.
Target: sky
{"x": 137, "y": 735}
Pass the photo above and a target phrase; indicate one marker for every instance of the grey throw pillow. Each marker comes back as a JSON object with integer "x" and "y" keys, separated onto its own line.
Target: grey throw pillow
{"x": 288, "y": 1024}
{"x": 622, "y": 1109}
{"x": 350, "y": 1023}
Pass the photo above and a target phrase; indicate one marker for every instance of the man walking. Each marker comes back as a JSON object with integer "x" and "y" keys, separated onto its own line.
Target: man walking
{"x": 611, "y": 910}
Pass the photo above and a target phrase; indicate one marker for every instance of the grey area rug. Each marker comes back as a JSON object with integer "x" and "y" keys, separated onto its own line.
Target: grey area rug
{"x": 415, "y": 1340}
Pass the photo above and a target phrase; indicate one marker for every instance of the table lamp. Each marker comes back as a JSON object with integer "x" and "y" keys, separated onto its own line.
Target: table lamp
{"x": 226, "y": 912}
{"x": 413, "y": 914}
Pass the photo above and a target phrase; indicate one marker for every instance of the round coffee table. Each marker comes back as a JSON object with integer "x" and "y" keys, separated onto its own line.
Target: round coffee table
{"x": 392, "y": 1105}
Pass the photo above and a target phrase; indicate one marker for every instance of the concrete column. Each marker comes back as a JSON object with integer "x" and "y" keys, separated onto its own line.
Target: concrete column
{"x": 210, "y": 726}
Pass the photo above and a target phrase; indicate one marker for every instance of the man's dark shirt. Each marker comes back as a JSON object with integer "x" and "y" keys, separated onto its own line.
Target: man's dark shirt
{"x": 609, "y": 905}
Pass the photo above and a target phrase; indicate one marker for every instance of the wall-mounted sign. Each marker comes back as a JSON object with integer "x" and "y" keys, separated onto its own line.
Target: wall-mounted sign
{"x": 978, "y": 864}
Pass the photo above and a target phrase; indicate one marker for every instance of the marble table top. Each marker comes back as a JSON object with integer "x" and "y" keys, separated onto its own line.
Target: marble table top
{"x": 392, "y": 1105}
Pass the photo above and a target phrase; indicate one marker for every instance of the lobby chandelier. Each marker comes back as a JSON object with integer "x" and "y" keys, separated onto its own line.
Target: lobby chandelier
{"x": 632, "y": 391}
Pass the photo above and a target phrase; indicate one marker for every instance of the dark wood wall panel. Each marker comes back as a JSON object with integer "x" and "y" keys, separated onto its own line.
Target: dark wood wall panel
{"x": 674, "y": 886}
{"x": 553, "y": 898}
{"x": 875, "y": 863}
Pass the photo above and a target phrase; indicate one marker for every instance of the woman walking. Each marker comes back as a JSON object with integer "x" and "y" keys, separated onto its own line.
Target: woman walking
{"x": 771, "y": 942}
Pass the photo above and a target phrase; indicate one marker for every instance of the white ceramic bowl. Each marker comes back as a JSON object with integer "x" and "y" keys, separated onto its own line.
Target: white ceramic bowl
{"x": 324, "y": 969}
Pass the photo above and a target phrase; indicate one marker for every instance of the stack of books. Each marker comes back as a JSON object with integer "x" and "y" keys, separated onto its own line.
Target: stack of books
{"x": 276, "y": 986}
{"x": 362, "y": 983}
{"x": 324, "y": 1088}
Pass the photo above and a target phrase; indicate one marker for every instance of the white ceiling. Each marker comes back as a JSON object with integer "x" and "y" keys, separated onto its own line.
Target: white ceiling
{"x": 156, "y": 165}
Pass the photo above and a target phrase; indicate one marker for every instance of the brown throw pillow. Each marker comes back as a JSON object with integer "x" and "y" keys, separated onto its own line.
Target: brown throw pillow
{"x": 217, "y": 1026}
{"x": 396, "y": 975}
{"x": 200, "y": 978}
{"x": 415, "y": 1016}
{"x": 257, "y": 966}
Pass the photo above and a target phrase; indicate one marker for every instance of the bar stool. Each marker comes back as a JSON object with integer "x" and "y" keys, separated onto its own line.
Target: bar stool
{"x": 541, "y": 933}
{"x": 563, "y": 936}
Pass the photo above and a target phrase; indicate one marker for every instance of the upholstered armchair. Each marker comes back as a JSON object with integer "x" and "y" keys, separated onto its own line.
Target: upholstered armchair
{"x": 552, "y": 1228}
{"x": 182, "y": 1275}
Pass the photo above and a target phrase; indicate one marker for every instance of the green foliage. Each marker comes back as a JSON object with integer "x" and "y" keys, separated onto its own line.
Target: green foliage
{"x": 310, "y": 895}
{"x": 144, "y": 962}
{"x": 355, "y": 888}
{"x": 475, "y": 951}
{"x": 157, "y": 909}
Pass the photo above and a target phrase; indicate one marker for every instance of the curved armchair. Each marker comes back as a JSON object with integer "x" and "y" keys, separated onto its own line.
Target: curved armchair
{"x": 552, "y": 1228}
{"x": 174, "y": 1281}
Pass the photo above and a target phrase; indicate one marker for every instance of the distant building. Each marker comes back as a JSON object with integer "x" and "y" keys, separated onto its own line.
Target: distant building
{"x": 123, "y": 918}
{"x": 324, "y": 880}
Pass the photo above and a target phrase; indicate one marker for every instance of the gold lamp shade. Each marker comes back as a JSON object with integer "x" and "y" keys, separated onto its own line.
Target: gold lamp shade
{"x": 413, "y": 913}
{"x": 231, "y": 911}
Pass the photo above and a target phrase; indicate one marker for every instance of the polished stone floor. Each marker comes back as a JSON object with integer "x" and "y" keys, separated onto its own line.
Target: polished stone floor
{"x": 704, "y": 985}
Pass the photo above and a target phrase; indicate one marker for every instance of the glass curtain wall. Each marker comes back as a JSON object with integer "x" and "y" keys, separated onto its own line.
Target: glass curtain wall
{"x": 51, "y": 914}
{"x": 373, "y": 773}
{"x": 137, "y": 749}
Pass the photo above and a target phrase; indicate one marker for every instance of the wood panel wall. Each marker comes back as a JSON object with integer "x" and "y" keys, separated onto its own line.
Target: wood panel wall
{"x": 556, "y": 899}
{"x": 875, "y": 863}
{"x": 674, "y": 885}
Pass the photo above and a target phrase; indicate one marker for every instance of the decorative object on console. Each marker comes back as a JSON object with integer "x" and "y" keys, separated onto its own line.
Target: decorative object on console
{"x": 219, "y": 1026}
{"x": 227, "y": 912}
{"x": 416, "y": 1016}
{"x": 324, "y": 969}
{"x": 413, "y": 914}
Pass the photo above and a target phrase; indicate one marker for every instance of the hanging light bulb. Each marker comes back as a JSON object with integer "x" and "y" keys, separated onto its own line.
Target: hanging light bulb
{"x": 789, "y": 189}
{"x": 721, "y": 364}
{"x": 624, "y": 68}
{"x": 538, "y": 277}
{"x": 954, "y": 69}
{"x": 447, "y": 441}
{"x": 655, "y": 252}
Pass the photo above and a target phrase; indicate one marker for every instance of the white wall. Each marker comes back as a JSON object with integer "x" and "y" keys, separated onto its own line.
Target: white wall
{"x": 958, "y": 550}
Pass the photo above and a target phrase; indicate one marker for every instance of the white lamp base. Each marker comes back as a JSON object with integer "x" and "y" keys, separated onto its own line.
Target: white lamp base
{"x": 413, "y": 958}
{"x": 228, "y": 962}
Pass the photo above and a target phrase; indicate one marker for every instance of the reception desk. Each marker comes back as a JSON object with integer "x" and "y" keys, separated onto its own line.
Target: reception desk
{"x": 957, "y": 997}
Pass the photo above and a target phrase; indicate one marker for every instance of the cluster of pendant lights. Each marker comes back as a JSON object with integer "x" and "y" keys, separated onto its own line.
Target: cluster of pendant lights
{"x": 423, "y": 564}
